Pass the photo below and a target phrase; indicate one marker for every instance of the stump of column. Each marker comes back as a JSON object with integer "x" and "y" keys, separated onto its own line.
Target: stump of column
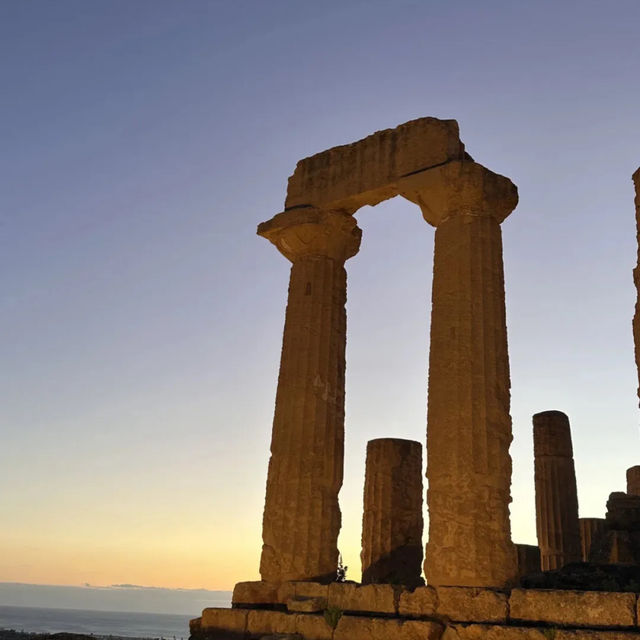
{"x": 468, "y": 423}
{"x": 528, "y": 559}
{"x": 633, "y": 481}
{"x": 591, "y": 529}
{"x": 302, "y": 518}
{"x": 556, "y": 494}
{"x": 392, "y": 517}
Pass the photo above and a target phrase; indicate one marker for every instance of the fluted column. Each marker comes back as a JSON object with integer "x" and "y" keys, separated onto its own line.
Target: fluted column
{"x": 591, "y": 529}
{"x": 468, "y": 423}
{"x": 556, "y": 494}
{"x": 392, "y": 516}
{"x": 633, "y": 481}
{"x": 301, "y": 516}
{"x": 528, "y": 559}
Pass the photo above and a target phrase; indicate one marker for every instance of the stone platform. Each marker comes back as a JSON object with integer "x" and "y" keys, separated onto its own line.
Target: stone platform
{"x": 348, "y": 611}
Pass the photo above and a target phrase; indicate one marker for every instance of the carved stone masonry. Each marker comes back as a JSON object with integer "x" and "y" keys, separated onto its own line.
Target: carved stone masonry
{"x": 591, "y": 529}
{"x": 556, "y": 494}
{"x": 392, "y": 518}
{"x": 468, "y": 423}
{"x": 301, "y": 516}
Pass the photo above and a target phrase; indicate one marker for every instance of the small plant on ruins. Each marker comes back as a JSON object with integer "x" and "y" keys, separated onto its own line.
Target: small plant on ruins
{"x": 341, "y": 573}
{"x": 332, "y": 616}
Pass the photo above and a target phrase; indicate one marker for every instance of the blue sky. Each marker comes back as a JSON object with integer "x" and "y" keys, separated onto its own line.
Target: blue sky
{"x": 141, "y": 317}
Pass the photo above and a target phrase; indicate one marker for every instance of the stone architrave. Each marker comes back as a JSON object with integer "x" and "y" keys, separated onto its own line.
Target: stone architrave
{"x": 468, "y": 424}
{"x": 392, "y": 517}
{"x": 301, "y": 516}
{"x": 633, "y": 481}
{"x": 556, "y": 494}
{"x": 590, "y": 530}
{"x": 636, "y": 277}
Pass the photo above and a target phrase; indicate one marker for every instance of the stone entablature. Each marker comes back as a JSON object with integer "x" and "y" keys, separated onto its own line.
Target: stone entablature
{"x": 388, "y": 612}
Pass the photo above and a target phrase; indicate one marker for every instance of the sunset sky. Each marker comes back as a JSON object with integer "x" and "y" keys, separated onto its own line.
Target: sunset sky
{"x": 141, "y": 318}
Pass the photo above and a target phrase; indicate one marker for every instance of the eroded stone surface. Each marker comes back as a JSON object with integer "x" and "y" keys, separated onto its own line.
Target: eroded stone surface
{"x": 307, "y": 605}
{"x": 421, "y": 630}
{"x": 367, "y": 628}
{"x": 347, "y": 596}
{"x": 590, "y": 530}
{"x": 556, "y": 494}
{"x": 255, "y": 592}
{"x": 528, "y": 559}
{"x": 468, "y": 604}
{"x": 468, "y": 425}
{"x": 419, "y": 603}
{"x": 366, "y": 172}
{"x": 313, "y": 627}
{"x": 392, "y": 516}
{"x": 574, "y": 608}
{"x": 301, "y": 516}
{"x": 262, "y": 622}
{"x": 492, "y": 632}
{"x": 218, "y": 621}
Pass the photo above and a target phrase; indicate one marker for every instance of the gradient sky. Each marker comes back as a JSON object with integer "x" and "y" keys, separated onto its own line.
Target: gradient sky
{"x": 141, "y": 317}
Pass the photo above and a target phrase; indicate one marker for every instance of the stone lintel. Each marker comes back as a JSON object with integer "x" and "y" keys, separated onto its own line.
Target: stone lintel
{"x": 573, "y": 608}
{"x": 365, "y": 172}
{"x": 460, "y": 188}
{"x": 310, "y": 231}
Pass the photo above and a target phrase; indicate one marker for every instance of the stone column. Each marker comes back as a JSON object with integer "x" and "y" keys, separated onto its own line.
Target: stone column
{"x": 392, "y": 518}
{"x": 636, "y": 277}
{"x": 556, "y": 494}
{"x": 633, "y": 481}
{"x": 590, "y": 530}
{"x": 468, "y": 423}
{"x": 528, "y": 559}
{"x": 301, "y": 515}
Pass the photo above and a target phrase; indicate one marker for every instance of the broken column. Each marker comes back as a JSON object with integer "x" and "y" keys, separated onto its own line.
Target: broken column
{"x": 633, "y": 481}
{"x": 556, "y": 494}
{"x": 392, "y": 518}
{"x": 301, "y": 516}
{"x": 468, "y": 425}
{"x": 591, "y": 529}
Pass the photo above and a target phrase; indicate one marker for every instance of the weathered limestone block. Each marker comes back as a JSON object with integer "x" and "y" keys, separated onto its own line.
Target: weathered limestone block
{"x": 195, "y": 626}
{"x": 528, "y": 559}
{"x": 494, "y": 632}
{"x": 261, "y": 622}
{"x": 367, "y": 628}
{"x": 574, "y": 608}
{"x": 366, "y": 172}
{"x": 300, "y": 589}
{"x": 374, "y": 598}
{"x": 301, "y": 516}
{"x": 246, "y": 594}
{"x": 419, "y": 603}
{"x": 556, "y": 494}
{"x": 636, "y": 277}
{"x": 421, "y": 630}
{"x": 590, "y": 530}
{"x": 306, "y": 605}
{"x": 461, "y": 604}
{"x": 313, "y": 627}
{"x": 392, "y": 517}
{"x": 224, "y": 623}
{"x": 633, "y": 481}
{"x": 585, "y": 634}
{"x": 468, "y": 425}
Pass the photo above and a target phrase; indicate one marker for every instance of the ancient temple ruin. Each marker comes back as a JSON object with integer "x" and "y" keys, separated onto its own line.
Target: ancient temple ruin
{"x": 471, "y": 566}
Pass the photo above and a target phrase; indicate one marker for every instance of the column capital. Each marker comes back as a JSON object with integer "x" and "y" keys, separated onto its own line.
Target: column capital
{"x": 305, "y": 232}
{"x": 460, "y": 188}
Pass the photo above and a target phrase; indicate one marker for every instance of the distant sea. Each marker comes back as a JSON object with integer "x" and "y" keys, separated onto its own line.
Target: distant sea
{"x": 62, "y": 615}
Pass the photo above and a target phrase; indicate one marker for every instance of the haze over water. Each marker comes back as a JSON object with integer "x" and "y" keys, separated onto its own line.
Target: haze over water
{"x": 141, "y": 318}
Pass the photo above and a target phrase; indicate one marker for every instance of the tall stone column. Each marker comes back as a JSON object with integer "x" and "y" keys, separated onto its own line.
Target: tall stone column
{"x": 591, "y": 529}
{"x": 556, "y": 494}
{"x": 468, "y": 422}
{"x": 636, "y": 277}
{"x": 301, "y": 515}
{"x": 633, "y": 481}
{"x": 392, "y": 516}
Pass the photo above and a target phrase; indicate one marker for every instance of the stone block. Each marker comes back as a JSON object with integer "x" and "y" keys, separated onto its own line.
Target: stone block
{"x": 494, "y": 632}
{"x": 313, "y": 627}
{"x": 306, "y": 605}
{"x": 421, "y": 630}
{"x": 224, "y": 623}
{"x": 367, "y": 628}
{"x": 467, "y": 604}
{"x": 373, "y": 598}
{"x": 419, "y": 603}
{"x": 195, "y": 626}
{"x": 261, "y": 622}
{"x": 574, "y": 608}
{"x": 255, "y": 592}
{"x": 585, "y": 634}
